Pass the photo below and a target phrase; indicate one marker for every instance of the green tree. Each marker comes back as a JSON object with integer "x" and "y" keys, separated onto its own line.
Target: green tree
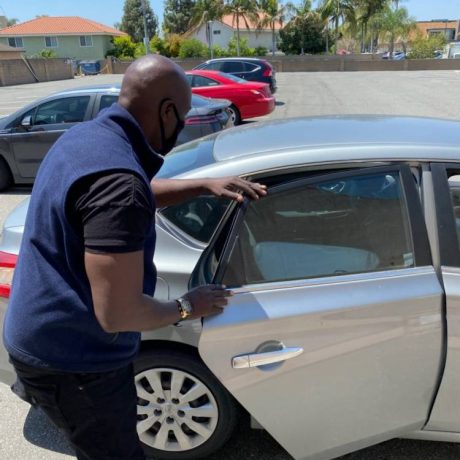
{"x": 242, "y": 48}
{"x": 158, "y": 46}
{"x": 11, "y": 22}
{"x": 426, "y": 47}
{"x": 177, "y": 15}
{"x": 242, "y": 12}
{"x": 273, "y": 14}
{"x": 395, "y": 24}
{"x": 366, "y": 10}
{"x": 193, "y": 48}
{"x": 133, "y": 20}
{"x": 303, "y": 34}
{"x": 338, "y": 11}
{"x": 123, "y": 48}
{"x": 206, "y": 10}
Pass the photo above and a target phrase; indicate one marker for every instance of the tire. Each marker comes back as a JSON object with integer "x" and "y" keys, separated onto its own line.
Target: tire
{"x": 158, "y": 410}
{"x": 234, "y": 115}
{"x": 6, "y": 179}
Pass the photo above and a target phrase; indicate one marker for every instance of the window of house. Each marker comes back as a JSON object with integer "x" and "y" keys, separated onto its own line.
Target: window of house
{"x": 86, "y": 40}
{"x": 51, "y": 42}
{"x": 15, "y": 42}
{"x": 301, "y": 230}
{"x": 216, "y": 32}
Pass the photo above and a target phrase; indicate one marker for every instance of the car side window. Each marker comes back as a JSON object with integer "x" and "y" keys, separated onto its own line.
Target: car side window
{"x": 301, "y": 230}
{"x": 233, "y": 66}
{"x": 197, "y": 217}
{"x": 106, "y": 101}
{"x": 454, "y": 184}
{"x": 249, "y": 67}
{"x": 214, "y": 66}
{"x": 65, "y": 110}
{"x": 200, "y": 81}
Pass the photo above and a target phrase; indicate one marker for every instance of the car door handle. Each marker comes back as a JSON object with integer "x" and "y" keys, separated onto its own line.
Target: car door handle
{"x": 268, "y": 357}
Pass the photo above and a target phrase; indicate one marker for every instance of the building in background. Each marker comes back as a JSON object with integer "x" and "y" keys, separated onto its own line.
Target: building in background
{"x": 224, "y": 30}
{"x": 450, "y": 28}
{"x": 68, "y": 36}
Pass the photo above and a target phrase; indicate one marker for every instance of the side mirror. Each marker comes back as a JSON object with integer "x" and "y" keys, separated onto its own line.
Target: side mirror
{"x": 26, "y": 122}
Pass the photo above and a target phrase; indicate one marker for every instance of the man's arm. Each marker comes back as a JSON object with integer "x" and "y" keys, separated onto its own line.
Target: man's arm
{"x": 172, "y": 191}
{"x": 116, "y": 285}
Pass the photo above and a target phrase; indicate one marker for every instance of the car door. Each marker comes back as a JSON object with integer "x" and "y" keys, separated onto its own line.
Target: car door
{"x": 332, "y": 339}
{"x": 445, "y": 415}
{"x": 47, "y": 122}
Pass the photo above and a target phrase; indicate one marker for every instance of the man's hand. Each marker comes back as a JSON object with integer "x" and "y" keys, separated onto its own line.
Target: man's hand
{"x": 235, "y": 187}
{"x": 207, "y": 300}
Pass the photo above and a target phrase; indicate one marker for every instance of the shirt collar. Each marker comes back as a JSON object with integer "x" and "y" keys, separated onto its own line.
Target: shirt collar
{"x": 118, "y": 118}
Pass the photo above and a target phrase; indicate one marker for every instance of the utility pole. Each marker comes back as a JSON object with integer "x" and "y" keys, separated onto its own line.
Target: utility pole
{"x": 211, "y": 53}
{"x": 146, "y": 35}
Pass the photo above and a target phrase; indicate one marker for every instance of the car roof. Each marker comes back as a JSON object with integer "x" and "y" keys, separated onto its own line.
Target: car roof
{"x": 338, "y": 133}
{"x": 237, "y": 59}
{"x": 115, "y": 88}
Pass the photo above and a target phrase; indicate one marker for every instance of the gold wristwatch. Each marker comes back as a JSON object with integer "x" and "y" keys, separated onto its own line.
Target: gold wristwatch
{"x": 185, "y": 308}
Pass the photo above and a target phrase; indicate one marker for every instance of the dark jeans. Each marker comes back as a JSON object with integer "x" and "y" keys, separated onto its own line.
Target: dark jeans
{"x": 97, "y": 412}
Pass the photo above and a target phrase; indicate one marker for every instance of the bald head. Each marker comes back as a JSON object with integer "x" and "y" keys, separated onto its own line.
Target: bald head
{"x": 153, "y": 88}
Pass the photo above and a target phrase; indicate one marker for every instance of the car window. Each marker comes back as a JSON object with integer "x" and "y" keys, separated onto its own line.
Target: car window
{"x": 233, "y": 78}
{"x": 213, "y": 66}
{"x": 454, "y": 183}
{"x": 107, "y": 100}
{"x": 200, "y": 81}
{"x": 233, "y": 66}
{"x": 65, "y": 110}
{"x": 355, "y": 224}
{"x": 249, "y": 67}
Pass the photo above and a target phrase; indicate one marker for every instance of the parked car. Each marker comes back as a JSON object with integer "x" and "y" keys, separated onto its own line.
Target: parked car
{"x": 250, "y": 69}
{"x": 248, "y": 99}
{"x": 397, "y": 55}
{"x": 27, "y": 135}
{"x": 343, "y": 328}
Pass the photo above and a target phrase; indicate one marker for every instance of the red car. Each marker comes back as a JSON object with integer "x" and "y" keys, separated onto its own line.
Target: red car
{"x": 249, "y": 99}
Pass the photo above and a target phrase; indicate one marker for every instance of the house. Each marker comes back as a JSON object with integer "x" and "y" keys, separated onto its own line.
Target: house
{"x": 68, "y": 36}
{"x": 8, "y": 52}
{"x": 223, "y": 30}
{"x": 450, "y": 28}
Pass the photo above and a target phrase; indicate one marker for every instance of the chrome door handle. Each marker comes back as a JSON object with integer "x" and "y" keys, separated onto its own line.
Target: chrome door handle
{"x": 262, "y": 359}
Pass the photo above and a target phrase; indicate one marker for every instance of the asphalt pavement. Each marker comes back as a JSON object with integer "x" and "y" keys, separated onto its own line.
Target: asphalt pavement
{"x": 25, "y": 433}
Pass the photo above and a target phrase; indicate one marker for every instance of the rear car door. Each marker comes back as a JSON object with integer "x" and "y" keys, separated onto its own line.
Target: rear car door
{"x": 234, "y": 67}
{"x": 48, "y": 121}
{"x": 445, "y": 415}
{"x": 332, "y": 340}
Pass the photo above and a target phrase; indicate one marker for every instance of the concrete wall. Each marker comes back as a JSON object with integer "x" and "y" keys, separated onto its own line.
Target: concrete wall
{"x": 325, "y": 64}
{"x": 16, "y": 72}
{"x": 68, "y": 46}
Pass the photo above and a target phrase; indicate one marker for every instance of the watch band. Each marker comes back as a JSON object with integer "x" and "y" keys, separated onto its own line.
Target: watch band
{"x": 185, "y": 308}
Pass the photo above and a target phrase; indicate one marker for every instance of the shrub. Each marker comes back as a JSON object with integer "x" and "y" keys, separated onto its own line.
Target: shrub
{"x": 193, "y": 48}
{"x": 261, "y": 51}
{"x": 244, "y": 48}
{"x": 158, "y": 45}
{"x": 46, "y": 54}
{"x": 218, "y": 51}
{"x": 425, "y": 48}
{"x": 123, "y": 48}
{"x": 172, "y": 45}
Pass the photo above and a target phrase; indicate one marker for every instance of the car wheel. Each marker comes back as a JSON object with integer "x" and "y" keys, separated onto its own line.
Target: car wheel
{"x": 183, "y": 411}
{"x": 6, "y": 179}
{"x": 234, "y": 115}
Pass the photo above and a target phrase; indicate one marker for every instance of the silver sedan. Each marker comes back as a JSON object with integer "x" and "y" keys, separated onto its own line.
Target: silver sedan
{"x": 344, "y": 327}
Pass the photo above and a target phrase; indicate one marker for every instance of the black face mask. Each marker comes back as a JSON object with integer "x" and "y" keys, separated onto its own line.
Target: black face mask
{"x": 167, "y": 144}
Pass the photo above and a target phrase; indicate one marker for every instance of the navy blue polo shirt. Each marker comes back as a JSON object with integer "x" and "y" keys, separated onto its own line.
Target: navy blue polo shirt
{"x": 50, "y": 321}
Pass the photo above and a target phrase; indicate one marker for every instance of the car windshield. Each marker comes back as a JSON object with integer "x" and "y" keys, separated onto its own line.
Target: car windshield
{"x": 232, "y": 77}
{"x": 192, "y": 155}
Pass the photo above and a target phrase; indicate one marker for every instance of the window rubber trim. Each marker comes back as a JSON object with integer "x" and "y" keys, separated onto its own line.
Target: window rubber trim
{"x": 410, "y": 198}
{"x": 449, "y": 249}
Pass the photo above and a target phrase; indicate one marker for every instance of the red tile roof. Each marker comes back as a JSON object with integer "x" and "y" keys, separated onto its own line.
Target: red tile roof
{"x": 62, "y": 25}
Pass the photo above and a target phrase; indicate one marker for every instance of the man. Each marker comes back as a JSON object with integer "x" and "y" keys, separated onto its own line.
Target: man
{"x": 83, "y": 286}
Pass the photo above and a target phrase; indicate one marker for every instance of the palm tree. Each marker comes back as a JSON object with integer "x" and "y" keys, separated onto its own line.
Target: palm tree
{"x": 245, "y": 10}
{"x": 273, "y": 13}
{"x": 366, "y": 10}
{"x": 396, "y": 24}
{"x": 299, "y": 16}
{"x": 338, "y": 11}
{"x": 206, "y": 10}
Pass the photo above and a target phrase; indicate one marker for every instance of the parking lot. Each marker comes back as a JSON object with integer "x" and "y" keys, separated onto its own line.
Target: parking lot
{"x": 25, "y": 433}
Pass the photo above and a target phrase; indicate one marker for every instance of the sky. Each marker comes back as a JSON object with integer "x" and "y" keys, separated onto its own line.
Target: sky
{"x": 109, "y": 12}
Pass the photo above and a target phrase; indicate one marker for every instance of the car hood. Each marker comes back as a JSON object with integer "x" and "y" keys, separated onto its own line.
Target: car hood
{"x": 17, "y": 217}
